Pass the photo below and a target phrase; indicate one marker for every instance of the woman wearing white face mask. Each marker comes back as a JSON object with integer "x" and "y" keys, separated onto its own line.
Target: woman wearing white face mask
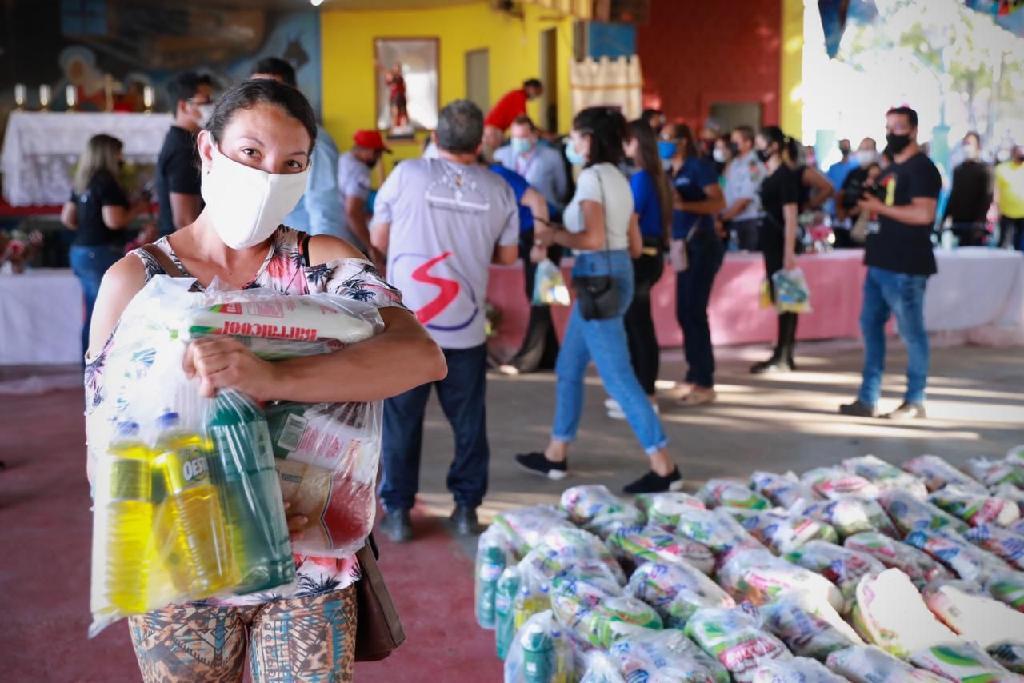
{"x": 255, "y": 156}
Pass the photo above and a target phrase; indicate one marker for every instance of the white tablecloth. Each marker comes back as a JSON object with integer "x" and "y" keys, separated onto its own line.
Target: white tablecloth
{"x": 41, "y": 149}
{"x": 41, "y": 315}
{"x": 977, "y": 297}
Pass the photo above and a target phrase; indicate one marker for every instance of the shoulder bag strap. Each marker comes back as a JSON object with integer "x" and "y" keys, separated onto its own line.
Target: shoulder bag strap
{"x": 604, "y": 209}
{"x": 166, "y": 263}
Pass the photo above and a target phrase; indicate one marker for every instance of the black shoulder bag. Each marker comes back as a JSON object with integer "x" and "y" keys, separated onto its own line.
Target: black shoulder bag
{"x": 598, "y": 295}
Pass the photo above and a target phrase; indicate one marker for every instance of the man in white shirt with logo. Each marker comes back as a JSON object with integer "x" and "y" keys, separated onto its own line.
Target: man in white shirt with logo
{"x": 442, "y": 222}
{"x": 743, "y": 214}
{"x": 542, "y": 166}
{"x": 354, "y": 185}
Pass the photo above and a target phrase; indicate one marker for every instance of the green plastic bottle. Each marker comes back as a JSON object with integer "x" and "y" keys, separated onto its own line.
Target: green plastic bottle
{"x": 504, "y": 610}
{"x": 196, "y": 520}
{"x": 244, "y": 472}
{"x": 538, "y": 654}
{"x": 490, "y": 563}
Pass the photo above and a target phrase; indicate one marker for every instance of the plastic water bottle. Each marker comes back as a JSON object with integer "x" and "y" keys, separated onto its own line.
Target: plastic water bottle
{"x": 195, "y": 517}
{"x": 124, "y": 522}
{"x": 504, "y": 610}
{"x": 244, "y": 471}
{"x": 490, "y": 563}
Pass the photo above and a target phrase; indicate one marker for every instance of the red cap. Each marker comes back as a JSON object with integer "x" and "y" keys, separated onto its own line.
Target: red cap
{"x": 370, "y": 139}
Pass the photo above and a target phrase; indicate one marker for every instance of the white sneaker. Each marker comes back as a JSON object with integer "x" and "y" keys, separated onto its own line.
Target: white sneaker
{"x": 508, "y": 370}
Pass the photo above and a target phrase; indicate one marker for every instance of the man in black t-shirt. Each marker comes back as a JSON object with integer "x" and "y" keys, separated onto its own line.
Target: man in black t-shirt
{"x": 971, "y": 195}
{"x": 899, "y": 258}
{"x": 178, "y": 180}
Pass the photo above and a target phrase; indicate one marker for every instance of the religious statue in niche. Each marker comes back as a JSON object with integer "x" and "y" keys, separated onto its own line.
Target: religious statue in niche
{"x": 396, "y": 97}
{"x": 406, "y": 71}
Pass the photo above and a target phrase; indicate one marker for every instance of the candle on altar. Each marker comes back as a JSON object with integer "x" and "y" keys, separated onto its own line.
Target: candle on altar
{"x": 44, "y": 96}
{"x": 71, "y": 96}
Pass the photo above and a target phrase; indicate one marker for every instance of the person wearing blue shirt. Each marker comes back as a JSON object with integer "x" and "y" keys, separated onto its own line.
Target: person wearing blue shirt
{"x": 838, "y": 171}
{"x": 652, "y": 203}
{"x": 539, "y": 349}
{"x": 541, "y": 165}
{"x": 696, "y": 253}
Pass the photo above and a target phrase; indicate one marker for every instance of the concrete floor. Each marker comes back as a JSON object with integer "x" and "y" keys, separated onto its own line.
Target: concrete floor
{"x": 788, "y": 422}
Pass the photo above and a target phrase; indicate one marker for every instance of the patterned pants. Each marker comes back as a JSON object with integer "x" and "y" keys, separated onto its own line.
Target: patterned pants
{"x": 308, "y": 640}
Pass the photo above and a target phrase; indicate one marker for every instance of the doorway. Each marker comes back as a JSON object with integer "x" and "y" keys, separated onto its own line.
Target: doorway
{"x": 549, "y": 76}
{"x": 478, "y": 78}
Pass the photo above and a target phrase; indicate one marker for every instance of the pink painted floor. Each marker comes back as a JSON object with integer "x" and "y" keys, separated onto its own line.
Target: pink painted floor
{"x": 45, "y": 530}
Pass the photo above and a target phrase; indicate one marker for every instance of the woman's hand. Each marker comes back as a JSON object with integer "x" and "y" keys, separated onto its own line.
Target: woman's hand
{"x": 789, "y": 261}
{"x": 538, "y": 254}
{"x": 543, "y": 237}
{"x": 297, "y": 523}
{"x": 224, "y": 363}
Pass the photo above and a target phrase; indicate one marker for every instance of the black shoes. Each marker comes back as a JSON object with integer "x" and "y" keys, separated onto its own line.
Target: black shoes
{"x": 539, "y": 464}
{"x": 908, "y": 411}
{"x": 858, "y": 409}
{"x": 464, "y": 521}
{"x": 652, "y": 482}
{"x": 397, "y": 525}
{"x": 773, "y": 365}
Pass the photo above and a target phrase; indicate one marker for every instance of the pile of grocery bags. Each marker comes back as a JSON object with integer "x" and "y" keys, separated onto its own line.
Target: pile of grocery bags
{"x": 189, "y": 492}
{"x": 861, "y": 572}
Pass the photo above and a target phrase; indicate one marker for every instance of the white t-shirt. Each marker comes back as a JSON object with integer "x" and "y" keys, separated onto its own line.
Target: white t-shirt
{"x": 353, "y": 177}
{"x": 605, "y": 184}
{"x": 446, "y": 219}
{"x": 743, "y": 181}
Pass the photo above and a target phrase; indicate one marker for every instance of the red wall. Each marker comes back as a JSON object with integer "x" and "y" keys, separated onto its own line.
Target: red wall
{"x": 696, "y": 52}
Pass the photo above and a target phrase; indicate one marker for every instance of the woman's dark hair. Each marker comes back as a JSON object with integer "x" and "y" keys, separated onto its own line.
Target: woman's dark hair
{"x": 682, "y": 133}
{"x": 788, "y": 148}
{"x": 275, "y": 66}
{"x": 607, "y": 130}
{"x": 248, "y": 94}
{"x": 648, "y": 160}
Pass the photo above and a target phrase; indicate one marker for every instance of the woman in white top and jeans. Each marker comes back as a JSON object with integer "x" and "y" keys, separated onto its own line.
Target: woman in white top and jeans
{"x": 602, "y": 229}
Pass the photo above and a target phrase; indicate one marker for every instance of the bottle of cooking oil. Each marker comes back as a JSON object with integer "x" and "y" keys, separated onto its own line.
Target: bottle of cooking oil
{"x": 122, "y": 524}
{"x": 196, "y": 519}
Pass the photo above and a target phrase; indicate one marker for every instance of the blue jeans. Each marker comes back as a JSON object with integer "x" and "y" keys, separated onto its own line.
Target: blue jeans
{"x": 693, "y": 292}
{"x": 887, "y": 292}
{"x": 462, "y": 395}
{"x": 604, "y": 342}
{"x": 89, "y": 264}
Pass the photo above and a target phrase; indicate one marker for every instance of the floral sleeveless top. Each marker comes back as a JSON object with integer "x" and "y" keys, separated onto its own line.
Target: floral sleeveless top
{"x": 285, "y": 270}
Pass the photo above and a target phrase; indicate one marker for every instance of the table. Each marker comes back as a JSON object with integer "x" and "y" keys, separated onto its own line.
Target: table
{"x": 41, "y": 149}
{"x": 977, "y": 297}
{"x": 41, "y": 315}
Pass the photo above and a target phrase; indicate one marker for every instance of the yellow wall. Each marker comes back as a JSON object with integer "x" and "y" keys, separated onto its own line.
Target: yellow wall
{"x": 791, "y": 102}
{"x": 514, "y": 45}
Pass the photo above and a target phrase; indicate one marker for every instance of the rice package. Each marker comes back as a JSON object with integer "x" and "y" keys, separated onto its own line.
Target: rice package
{"x": 562, "y": 548}
{"x": 1008, "y": 588}
{"x": 595, "y": 508}
{"x": 783, "y": 532}
{"x": 651, "y": 544}
{"x": 911, "y": 514}
{"x": 916, "y": 564}
{"x": 997, "y": 472}
{"x": 975, "y": 507}
{"x": 785, "y": 490}
{"x": 667, "y": 656}
{"x": 525, "y": 526}
{"x": 837, "y": 482}
{"x": 870, "y": 664}
{"x": 597, "y": 617}
{"x": 1002, "y": 543}
{"x": 715, "y": 529}
{"x": 975, "y": 617}
{"x": 663, "y": 509}
{"x": 735, "y": 639}
{"x": 731, "y": 493}
{"x": 540, "y": 653}
{"x": 842, "y": 566}
{"x": 759, "y": 577}
{"x": 849, "y": 515}
{"x": 966, "y": 560}
{"x": 809, "y": 630}
{"x": 962, "y": 661}
{"x": 795, "y": 670}
{"x": 891, "y": 613}
{"x": 676, "y": 590}
{"x": 937, "y": 473}
{"x": 885, "y": 476}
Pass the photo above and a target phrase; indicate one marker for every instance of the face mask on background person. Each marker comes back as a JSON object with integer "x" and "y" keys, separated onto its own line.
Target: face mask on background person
{"x": 205, "y": 112}
{"x": 865, "y": 157}
{"x": 246, "y": 204}
{"x": 666, "y": 149}
{"x": 574, "y": 157}
{"x": 521, "y": 145}
{"x": 719, "y": 155}
{"x": 764, "y": 155}
{"x": 897, "y": 143}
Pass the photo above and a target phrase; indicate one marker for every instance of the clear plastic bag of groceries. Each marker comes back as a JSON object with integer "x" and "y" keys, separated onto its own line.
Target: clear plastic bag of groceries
{"x": 549, "y": 287}
{"x": 792, "y": 294}
{"x": 187, "y": 503}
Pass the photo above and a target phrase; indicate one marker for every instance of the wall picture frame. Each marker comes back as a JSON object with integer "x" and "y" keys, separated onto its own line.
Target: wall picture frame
{"x": 407, "y": 77}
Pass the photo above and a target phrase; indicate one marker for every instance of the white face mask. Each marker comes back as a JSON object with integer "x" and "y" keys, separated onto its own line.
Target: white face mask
{"x": 246, "y": 204}
{"x": 865, "y": 157}
{"x": 205, "y": 112}
{"x": 719, "y": 155}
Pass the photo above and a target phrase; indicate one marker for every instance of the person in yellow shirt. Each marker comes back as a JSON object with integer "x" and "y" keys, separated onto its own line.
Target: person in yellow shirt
{"x": 1009, "y": 198}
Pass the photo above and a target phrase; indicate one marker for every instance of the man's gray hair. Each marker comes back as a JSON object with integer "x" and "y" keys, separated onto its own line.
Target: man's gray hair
{"x": 460, "y": 127}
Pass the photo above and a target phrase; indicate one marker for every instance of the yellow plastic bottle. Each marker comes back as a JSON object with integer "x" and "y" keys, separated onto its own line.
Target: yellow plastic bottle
{"x": 124, "y": 516}
{"x": 195, "y": 517}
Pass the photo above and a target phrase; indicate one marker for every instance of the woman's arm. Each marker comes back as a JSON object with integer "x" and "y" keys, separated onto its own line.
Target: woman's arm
{"x": 712, "y": 204}
{"x": 117, "y": 217}
{"x": 636, "y": 240}
{"x": 789, "y": 214}
{"x": 591, "y": 238}
{"x": 69, "y": 216}
{"x": 821, "y": 188}
{"x": 120, "y": 285}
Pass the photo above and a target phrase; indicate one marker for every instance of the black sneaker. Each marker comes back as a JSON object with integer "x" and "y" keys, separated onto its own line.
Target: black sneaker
{"x": 652, "y": 482}
{"x": 397, "y": 524}
{"x": 858, "y": 409}
{"x": 465, "y": 521}
{"x": 538, "y": 464}
{"x": 908, "y": 411}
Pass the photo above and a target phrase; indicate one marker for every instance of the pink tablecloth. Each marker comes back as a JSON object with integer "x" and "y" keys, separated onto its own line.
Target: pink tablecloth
{"x": 977, "y": 295}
